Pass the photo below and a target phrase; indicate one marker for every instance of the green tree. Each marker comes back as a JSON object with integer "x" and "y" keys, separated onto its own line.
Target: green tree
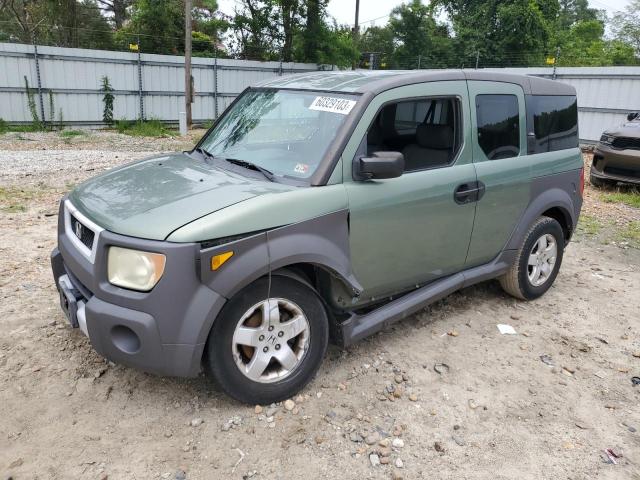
{"x": 574, "y": 11}
{"x": 255, "y": 25}
{"x": 117, "y": 10}
{"x": 379, "y": 41}
{"x": 160, "y": 24}
{"x": 626, "y": 25}
{"x": 514, "y": 32}
{"x": 419, "y": 38}
{"x": 311, "y": 36}
{"x": 584, "y": 45}
{"x": 62, "y": 23}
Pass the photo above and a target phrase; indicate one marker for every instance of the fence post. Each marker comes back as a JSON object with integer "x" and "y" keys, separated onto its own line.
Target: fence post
{"x": 555, "y": 62}
{"x": 140, "y": 92}
{"x": 419, "y": 61}
{"x": 477, "y": 58}
{"x": 40, "y": 100}
{"x": 371, "y": 61}
{"x": 215, "y": 83}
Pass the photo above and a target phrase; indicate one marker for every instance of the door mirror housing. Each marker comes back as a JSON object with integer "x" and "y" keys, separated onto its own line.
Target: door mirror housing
{"x": 379, "y": 165}
{"x": 633, "y": 116}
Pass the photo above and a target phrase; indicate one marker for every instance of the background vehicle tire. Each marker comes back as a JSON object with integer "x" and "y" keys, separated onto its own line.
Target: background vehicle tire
{"x": 265, "y": 346}
{"x": 538, "y": 261}
{"x": 599, "y": 182}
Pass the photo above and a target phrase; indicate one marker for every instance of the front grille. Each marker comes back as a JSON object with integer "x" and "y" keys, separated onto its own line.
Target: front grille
{"x": 626, "y": 143}
{"x": 85, "y": 234}
{"x": 623, "y": 172}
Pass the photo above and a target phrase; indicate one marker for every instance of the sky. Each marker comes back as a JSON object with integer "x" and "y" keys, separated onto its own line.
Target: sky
{"x": 344, "y": 10}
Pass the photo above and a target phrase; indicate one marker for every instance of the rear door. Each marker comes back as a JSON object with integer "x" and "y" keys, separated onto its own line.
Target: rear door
{"x": 502, "y": 166}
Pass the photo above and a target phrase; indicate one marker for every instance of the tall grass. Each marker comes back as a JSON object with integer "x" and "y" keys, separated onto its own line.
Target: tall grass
{"x": 146, "y": 128}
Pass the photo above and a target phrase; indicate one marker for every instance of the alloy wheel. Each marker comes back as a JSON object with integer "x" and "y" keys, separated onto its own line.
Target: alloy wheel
{"x": 542, "y": 260}
{"x": 270, "y": 340}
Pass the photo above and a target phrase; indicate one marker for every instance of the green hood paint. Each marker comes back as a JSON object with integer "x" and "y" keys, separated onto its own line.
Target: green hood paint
{"x": 153, "y": 197}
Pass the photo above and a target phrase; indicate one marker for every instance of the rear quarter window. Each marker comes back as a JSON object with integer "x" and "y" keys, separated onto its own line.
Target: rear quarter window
{"x": 552, "y": 123}
{"x": 498, "y": 119}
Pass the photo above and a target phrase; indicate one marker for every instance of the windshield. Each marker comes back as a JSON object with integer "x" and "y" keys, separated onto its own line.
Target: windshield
{"x": 283, "y": 131}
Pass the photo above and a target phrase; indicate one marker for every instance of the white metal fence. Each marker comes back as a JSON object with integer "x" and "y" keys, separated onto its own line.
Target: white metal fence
{"x": 146, "y": 85}
{"x": 152, "y": 86}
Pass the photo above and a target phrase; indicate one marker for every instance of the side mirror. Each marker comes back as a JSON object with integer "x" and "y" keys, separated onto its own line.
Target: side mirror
{"x": 632, "y": 116}
{"x": 379, "y": 165}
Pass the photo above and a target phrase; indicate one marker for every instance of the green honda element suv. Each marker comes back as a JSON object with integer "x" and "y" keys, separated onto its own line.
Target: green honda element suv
{"x": 320, "y": 207}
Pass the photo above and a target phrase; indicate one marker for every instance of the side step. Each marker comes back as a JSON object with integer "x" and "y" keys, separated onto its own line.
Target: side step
{"x": 358, "y": 327}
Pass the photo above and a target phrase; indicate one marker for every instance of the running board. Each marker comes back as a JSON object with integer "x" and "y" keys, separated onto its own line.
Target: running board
{"x": 358, "y": 327}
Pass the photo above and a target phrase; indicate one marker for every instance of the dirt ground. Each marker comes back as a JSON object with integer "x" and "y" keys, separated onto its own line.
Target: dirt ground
{"x": 544, "y": 403}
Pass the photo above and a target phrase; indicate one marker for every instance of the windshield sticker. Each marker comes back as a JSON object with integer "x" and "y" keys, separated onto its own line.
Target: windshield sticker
{"x": 301, "y": 168}
{"x": 333, "y": 105}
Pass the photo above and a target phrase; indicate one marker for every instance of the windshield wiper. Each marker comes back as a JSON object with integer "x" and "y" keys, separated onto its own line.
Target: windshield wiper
{"x": 252, "y": 166}
{"x": 243, "y": 163}
{"x": 204, "y": 153}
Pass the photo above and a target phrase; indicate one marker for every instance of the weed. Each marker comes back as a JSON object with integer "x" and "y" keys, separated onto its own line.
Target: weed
{"x": 14, "y": 200}
{"x": 631, "y": 233}
{"x": 24, "y": 128}
{"x": 207, "y": 125}
{"x": 147, "y": 128}
{"x": 36, "y": 124}
{"x": 589, "y": 225}
{"x": 107, "y": 99}
{"x": 72, "y": 133}
{"x": 52, "y": 111}
{"x": 14, "y": 208}
{"x": 631, "y": 197}
{"x": 4, "y": 128}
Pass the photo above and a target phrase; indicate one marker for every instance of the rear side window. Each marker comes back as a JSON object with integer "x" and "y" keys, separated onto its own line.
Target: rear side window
{"x": 498, "y": 125}
{"x": 552, "y": 123}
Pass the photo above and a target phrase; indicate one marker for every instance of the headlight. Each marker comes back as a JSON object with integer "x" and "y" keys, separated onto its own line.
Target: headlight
{"x": 134, "y": 269}
{"x": 608, "y": 139}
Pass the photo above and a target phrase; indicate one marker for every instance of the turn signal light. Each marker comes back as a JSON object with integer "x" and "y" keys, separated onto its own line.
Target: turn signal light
{"x": 218, "y": 260}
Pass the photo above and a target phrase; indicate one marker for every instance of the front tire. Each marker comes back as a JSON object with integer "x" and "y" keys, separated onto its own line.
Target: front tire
{"x": 538, "y": 261}
{"x": 266, "y": 345}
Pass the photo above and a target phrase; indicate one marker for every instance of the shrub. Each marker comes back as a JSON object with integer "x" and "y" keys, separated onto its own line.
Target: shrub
{"x": 107, "y": 99}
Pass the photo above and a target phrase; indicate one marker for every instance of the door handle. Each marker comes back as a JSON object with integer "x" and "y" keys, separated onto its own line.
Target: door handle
{"x": 468, "y": 192}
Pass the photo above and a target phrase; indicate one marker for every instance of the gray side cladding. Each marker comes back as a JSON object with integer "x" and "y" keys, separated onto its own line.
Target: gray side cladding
{"x": 322, "y": 241}
{"x": 561, "y": 191}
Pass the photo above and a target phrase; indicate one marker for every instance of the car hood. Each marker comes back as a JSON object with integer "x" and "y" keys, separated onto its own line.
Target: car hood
{"x": 628, "y": 129}
{"x": 153, "y": 197}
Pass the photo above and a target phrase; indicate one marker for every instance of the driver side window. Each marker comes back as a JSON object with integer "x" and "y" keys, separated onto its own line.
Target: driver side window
{"x": 425, "y": 130}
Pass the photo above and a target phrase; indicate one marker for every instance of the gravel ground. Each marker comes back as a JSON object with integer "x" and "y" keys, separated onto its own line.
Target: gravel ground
{"x": 543, "y": 403}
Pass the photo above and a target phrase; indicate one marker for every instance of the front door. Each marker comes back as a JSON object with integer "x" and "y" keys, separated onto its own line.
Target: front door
{"x": 410, "y": 230}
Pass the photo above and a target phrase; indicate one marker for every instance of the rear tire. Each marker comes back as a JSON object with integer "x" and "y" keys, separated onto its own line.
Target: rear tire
{"x": 267, "y": 345}
{"x": 537, "y": 262}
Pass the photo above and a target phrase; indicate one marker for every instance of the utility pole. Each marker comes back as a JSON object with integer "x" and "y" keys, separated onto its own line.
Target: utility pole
{"x": 356, "y": 30}
{"x": 188, "y": 94}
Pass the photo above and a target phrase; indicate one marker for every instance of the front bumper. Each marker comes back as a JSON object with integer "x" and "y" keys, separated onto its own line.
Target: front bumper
{"x": 163, "y": 331}
{"x": 616, "y": 165}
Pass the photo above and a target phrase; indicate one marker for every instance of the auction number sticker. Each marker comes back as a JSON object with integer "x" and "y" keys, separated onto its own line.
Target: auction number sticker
{"x": 333, "y": 105}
